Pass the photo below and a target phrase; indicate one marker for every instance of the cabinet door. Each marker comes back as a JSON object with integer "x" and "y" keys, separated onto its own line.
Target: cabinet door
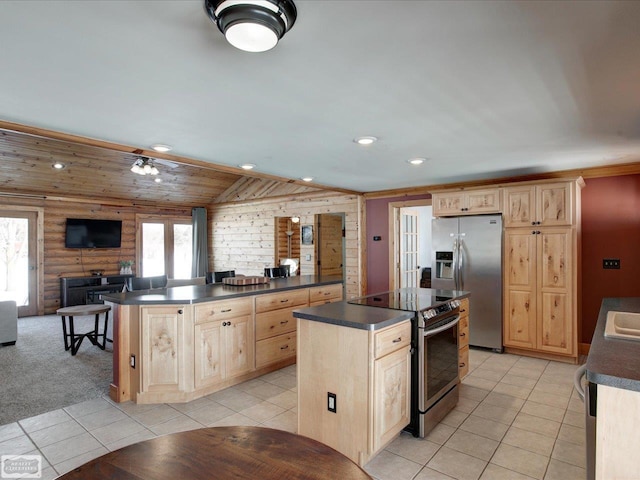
{"x": 483, "y": 201}
{"x": 391, "y": 407}
{"x": 447, "y": 203}
{"x": 519, "y": 206}
{"x": 239, "y": 346}
{"x": 520, "y": 288}
{"x": 161, "y": 348}
{"x": 554, "y": 205}
{"x": 554, "y": 286}
{"x": 209, "y": 353}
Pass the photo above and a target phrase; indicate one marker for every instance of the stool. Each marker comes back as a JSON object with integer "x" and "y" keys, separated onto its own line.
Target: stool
{"x": 73, "y": 340}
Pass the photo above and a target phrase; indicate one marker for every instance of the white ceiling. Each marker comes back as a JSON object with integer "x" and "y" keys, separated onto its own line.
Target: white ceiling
{"x": 483, "y": 89}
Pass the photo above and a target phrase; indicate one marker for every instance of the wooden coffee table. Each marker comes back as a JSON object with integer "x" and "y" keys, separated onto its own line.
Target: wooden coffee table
{"x": 222, "y": 453}
{"x": 72, "y": 340}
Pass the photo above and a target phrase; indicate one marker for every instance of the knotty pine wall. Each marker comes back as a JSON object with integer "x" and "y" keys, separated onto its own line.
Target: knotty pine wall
{"x": 242, "y": 235}
{"x": 60, "y": 262}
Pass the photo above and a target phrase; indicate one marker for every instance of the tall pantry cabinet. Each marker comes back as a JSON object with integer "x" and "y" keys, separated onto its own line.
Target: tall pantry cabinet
{"x": 541, "y": 262}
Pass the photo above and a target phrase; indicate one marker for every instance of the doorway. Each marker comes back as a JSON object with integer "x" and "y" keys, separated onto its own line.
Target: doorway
{"x": 20, "y": 257}
{"x": 330, "y": 244}
{"x": 410, "y": 245}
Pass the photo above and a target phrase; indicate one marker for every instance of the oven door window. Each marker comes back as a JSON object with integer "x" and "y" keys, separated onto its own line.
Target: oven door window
{"x": 442, "y": 363}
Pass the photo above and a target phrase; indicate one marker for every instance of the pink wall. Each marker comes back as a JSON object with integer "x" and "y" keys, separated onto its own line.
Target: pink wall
{"x": 377, "y": 212}
{"x": 610, "y": 229}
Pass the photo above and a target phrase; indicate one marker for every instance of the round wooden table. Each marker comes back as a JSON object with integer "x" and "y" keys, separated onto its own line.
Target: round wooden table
{"x": 72, "y": 340}
{"x": 222, "y": 453}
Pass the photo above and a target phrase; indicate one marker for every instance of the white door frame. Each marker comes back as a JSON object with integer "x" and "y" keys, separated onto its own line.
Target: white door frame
{"x": 394, "y": 236}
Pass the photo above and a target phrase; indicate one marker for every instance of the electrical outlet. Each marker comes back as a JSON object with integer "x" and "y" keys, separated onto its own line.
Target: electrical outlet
{"x": 308, "y": 257}
{"x": 331, "y": 402}
{"x": 611, "y": 263}
{"x": 132, "y": 361}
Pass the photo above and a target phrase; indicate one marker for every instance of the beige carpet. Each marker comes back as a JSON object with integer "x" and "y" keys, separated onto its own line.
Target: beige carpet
{"x": 38, "y": 375}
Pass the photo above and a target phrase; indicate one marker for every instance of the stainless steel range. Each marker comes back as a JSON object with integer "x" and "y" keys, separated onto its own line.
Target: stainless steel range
{"x": 434, "y": 341}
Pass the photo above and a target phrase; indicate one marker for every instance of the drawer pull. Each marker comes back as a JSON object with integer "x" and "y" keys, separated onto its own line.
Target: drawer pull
{"x": 179, "y": 312}
{"x": 462, "y": 365}
{"x": 284, "y": 323}
{"x": 462, "y": 310}
{"x": 225, "y": 311}
{"x": 284, "y": 301}
{"x": 285, "y": 347}
{"x": 463, "y": 334}
{"x": 327, "y": 293}
{"x": 399, "y": 339}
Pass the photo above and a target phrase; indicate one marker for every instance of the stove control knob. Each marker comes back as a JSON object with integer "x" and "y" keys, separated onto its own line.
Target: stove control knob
{"x": 429, "y": 314}
{"x": 455, "y": 304}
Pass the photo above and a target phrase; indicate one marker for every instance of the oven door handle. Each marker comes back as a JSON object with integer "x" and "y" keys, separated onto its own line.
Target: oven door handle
{"x": 442, "y": 328}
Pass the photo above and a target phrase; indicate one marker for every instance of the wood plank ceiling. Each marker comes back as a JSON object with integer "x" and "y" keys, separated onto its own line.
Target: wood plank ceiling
{"x": 103, "y": 174}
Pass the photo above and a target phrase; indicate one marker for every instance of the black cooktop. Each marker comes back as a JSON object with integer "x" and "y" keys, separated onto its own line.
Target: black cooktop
{"x": 410, "y": 299}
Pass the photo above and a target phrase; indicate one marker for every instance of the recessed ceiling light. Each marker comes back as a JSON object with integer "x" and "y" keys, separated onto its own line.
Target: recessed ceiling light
{"x": 306, "y": 179}
{"x": 58, "y": 166}
{"x": 365, "y": 140}
{"x": 157, "y": 180}
{"x": 158, "y": 147}
{"x": 416, "y": 161}
{"x": 247, "y": 166}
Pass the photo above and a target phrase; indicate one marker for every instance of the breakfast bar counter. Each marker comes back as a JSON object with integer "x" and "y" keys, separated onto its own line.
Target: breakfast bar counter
{"x": 177, "y": 344}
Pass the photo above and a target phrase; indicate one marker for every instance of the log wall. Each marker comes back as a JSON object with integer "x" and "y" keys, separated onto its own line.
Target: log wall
{"x": 242, "y": 235}
{"x": 72, "y": 262}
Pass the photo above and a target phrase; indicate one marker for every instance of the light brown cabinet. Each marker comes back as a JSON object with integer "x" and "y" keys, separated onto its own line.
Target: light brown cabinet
{"x": 463, "y": 339}
{"x": 165, "y": 337}
{"x": 368, "y": 372}
{"x": 539, "y": 290}
{"x": 549, "y": 204}
{"x": 223, "y": 341}
{"x": 325, "y": 294}
{"x": 276, "y": 326}
{"x": 466, "y": 202}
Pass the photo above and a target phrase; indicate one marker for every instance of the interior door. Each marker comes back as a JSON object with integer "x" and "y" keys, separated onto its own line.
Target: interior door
{"x": 330, "y": 251}
{"x": 18, "y": 260}
{"x": 409, "y": 268}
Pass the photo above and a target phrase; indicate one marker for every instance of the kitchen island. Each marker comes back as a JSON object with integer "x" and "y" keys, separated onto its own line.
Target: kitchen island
{"x": 356, "y": 369}
{"x": 178, "y": 344}
{"x": 613, "y": 368}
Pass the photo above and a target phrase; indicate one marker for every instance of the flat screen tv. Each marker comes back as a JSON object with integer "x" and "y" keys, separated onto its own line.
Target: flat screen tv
{"x": 88, "y": 233}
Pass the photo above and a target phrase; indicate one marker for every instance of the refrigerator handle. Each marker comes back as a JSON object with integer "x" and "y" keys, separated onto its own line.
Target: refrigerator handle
{"x": 461, "y": 263}
{"x": 455, "y": 262}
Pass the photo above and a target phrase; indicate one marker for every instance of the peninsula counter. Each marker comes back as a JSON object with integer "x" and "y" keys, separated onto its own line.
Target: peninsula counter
{"x": 178, "y": 344}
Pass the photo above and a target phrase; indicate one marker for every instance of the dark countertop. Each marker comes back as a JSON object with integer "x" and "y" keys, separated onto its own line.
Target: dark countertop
{"x": 363, "y": 317}
{"x": 217, "y": 291}
{"x": 614, "y": 362}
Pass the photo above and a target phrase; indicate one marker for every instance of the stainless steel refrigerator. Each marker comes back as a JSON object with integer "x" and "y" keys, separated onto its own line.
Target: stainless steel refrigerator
{"x": 467, "y": 255}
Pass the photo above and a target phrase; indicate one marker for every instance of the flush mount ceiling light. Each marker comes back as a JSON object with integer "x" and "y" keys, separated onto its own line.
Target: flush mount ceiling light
{"x": 416, "y": 161}
{"x": 159, "y": 147}
{"x": 58, "y": 166}
{"x": 252, "y": 25}
{"x": 307, "y": 179}
{"x": 247, "y": 166}
{"x": 295, "y": 219}
{"x": 144, "y": 166}
{"x": 365, "y": 140}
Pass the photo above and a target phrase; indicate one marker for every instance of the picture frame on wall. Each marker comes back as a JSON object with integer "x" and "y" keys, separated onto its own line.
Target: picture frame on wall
{"x": 307, "y": 234}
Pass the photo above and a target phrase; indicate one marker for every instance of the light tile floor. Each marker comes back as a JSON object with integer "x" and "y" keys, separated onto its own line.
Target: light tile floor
{"x": 517, "y": 418}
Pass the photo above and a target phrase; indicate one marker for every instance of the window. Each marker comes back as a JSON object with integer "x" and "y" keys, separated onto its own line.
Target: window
{"x": 165, "y": 246}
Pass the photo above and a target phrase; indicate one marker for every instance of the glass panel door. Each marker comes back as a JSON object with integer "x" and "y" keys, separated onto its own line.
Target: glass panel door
{"x": 409, "y": 268}
{"x": 153, "y": 249}
{"x": 182, "y": 250}
{"x": 18, "y": 260}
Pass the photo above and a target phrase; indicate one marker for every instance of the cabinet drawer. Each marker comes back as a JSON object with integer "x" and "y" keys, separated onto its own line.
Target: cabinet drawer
{"x": 222, "y": 310}
{"x": 325, "y": 293}
{"x": 463, "y": 331}
{"x": 463, "y": 361}
{"x": 275, "y": 349}
{"x": 464, "y": 307}
{"x": 270, "y": 324}
{"x": 392, "y": 338}
{"x": 290, "y": 298}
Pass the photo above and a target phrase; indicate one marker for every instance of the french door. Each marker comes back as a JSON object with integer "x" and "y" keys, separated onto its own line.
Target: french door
{"x": 409, "y": 268}
{"x": 165, "y": 246}
{"x": 19, "y": 259}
